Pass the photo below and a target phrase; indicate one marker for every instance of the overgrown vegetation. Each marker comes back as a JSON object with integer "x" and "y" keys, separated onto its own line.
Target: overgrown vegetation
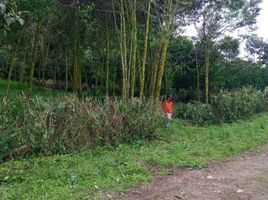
{"x": 60, "y": 125}
{"x": 122, "y": 50}
{"x": 100, "y": 173}
{"x": 225, "y": 107}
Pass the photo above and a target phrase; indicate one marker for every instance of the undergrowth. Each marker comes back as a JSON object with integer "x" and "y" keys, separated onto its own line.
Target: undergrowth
{"x": 45, "y": 126}
{"x": 225, "y": 107}
{"x": 104, "y": 171}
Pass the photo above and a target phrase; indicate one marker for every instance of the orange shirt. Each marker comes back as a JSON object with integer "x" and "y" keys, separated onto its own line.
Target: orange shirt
{"x": 167, "y": 106}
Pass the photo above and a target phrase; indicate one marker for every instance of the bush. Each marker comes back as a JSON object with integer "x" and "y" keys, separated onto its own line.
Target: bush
{"x": 196, "y": 112}
{"x": 237, "y": 104}
{"x": 59, "y": 125}
{"x": 225, "y": 107}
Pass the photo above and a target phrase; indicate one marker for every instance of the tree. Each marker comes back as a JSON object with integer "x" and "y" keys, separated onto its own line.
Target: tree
{"x": 172, "y": 15}
{"x": 213, "y": 19}
{"x": 228, "y": 48}
{"x": 78, "y": 14}
{"x": 258, "y": 48}
{"x": 180, "y": 60}
{"x": 144, "y": 57}
{"x": 12, "y": 23}
{"x": 9, "y": 15}
{"x": 38, "y": 12}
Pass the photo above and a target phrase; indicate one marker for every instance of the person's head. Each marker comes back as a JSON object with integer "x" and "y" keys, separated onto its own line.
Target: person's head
{"x": 169, "y": 97}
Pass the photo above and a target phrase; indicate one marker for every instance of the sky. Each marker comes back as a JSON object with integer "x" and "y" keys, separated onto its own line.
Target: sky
{"x": 261, "y": 31}
{"x": 262, "y": 20}
{"x": 262, "y": 23}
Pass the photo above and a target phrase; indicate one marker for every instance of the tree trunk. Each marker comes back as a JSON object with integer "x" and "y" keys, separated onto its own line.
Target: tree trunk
{"x": 114, "y": 82}
{"x": 12, "y": 62}
{"x": 34, "y": 52}
{"x": 41, "y": 47}
{"x": 42, "y": 59}
{"x": 206, "y": 71}
{"x": 161, "y": 67}
{"x": 134, "y": 48}
{"x": 107, "y": 51}
{"x": 197, "y": 77}
{"x": 123, "y": 50}
{"x": 22, "y": 69}
{"x": 166, "y": 29}
{"x": 66, "y": 69}
{"x": 45, "y": 63}
{"x": 97, "y": 75}
{"x": 154, "y": 75}
{"x": 142, "y": 78}
{"x": 76, "y": 62}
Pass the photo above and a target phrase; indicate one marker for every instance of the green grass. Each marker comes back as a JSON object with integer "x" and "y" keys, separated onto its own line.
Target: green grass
{"x": 17, "y": 88}
{"x": 100, "y": 173}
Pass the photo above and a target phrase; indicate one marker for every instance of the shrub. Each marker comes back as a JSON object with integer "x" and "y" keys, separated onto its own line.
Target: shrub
{"x": 237, "y": 104}
{"x": 225, "y": 107}
{"x": 196, "y": 112}
{"x": 59, "y": 125}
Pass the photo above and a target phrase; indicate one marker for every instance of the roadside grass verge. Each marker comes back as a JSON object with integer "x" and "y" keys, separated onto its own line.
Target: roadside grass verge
{"x": 102, "y": 172}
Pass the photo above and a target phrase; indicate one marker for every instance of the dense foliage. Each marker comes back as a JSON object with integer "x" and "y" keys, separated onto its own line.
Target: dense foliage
{"x": 126, "y": 53}
{"x": 122, "y": 48}
{"x": 57, "y": 125}
{"x": 118, "y": 48}
{"x": 103, "y": 173}
{"x": 225, "y": 107}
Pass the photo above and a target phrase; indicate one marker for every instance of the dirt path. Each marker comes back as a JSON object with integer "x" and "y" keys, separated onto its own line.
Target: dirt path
{"x": 240, "y": 178}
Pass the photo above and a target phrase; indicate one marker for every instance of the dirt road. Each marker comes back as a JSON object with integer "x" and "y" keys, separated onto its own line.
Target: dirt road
{"x": 240, "y": 178}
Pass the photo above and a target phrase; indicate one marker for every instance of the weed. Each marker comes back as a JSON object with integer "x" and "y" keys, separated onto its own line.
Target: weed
{"x": 104, "y": 171}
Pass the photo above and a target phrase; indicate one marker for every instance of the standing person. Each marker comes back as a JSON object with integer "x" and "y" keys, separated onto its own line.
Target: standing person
{"x": 167, "y": 105}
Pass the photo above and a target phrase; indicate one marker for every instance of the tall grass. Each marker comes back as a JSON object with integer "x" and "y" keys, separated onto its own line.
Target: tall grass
{"x": 103, "y": 171}
{"x": 59, "y": 125}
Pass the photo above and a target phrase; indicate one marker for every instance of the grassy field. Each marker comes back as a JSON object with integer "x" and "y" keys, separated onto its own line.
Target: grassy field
{"x": 102, "y": 172}
{"x": 17, "y": 88}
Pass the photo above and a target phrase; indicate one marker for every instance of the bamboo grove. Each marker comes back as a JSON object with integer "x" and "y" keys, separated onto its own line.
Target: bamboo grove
{"x": 117, "y": 47}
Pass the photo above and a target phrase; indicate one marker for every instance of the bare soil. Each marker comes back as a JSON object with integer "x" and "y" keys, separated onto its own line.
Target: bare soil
{"x": 243, "y": 177}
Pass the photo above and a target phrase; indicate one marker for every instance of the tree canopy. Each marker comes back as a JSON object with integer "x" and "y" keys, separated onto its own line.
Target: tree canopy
{"x": 127, "y": 48}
